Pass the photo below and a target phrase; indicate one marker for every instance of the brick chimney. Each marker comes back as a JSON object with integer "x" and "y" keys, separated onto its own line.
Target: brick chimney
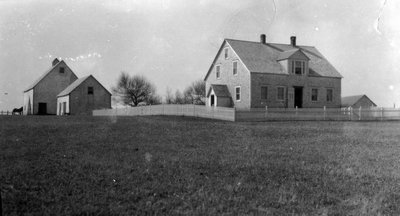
{"x": 263, "y": 38}
{"x": 55, "y": 61}
{"x": 293, "y": 40}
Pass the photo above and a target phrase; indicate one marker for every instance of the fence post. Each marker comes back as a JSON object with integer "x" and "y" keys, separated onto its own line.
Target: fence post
{"x": 359, "y": 113}
{"x": 296, "y": 112}
{"x": 324, "y": 113}
{"x": 266, "y": 111}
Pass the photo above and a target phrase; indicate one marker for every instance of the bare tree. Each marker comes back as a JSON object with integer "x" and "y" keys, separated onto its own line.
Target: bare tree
{"x": 169, "y": 99}
{"x": 179, "y": 99}
{"x": 133, "y": 90}
{"x": 196, "y": 93}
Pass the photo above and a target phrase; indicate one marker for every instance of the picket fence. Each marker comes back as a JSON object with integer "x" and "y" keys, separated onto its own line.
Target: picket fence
{"x": 264, "y": 114}
{"x": 221, "y": 113}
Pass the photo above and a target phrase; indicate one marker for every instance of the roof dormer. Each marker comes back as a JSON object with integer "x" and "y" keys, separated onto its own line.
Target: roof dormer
{"x": 295, "y": 61}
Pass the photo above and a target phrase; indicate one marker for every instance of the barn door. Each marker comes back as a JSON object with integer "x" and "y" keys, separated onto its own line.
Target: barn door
{"x": 42, "y": 109}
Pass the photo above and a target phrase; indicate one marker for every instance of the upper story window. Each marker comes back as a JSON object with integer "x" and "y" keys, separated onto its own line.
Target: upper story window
{"x": 226, "y": 53}
{"x": 280, "y": 93}
{"x": 314, "y": 94}
{"x": 90, "y": 90}
{"x": 298, "y": 67}
{"x": 62, "y": 69}
{"x": 329, "y": 95}
{"x": 218, "y": 72}
{"x": 237, "y": 92}
{"x": 234, "y": 68}
{"x": 264, "y": 93}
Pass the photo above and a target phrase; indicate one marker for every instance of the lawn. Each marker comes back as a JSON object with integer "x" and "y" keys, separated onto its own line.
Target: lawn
{"x": 53, "y": 165}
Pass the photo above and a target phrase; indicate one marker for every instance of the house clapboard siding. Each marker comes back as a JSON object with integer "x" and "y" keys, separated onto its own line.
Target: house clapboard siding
{"x": 260, "y": 74}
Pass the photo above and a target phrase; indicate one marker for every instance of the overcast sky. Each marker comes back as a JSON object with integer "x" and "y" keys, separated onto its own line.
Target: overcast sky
{"x": 173, "y": 42}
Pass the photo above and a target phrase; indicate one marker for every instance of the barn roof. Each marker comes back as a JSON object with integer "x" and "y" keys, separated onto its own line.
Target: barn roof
{"x": 219, "y": 90}
{"x": 42, "y": 76}
{"x": 263, "y": 58}
{"x": 73, "y": 85}
{"x": 351, "y": 100}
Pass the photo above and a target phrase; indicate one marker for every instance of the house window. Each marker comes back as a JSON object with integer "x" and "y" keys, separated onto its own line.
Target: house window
{"x": 90, "y": 90}
{"x": 226, "y": 53}
{"x": 280, "y": 93}
{"x": 314, "y": 94}
{"x": 61, "y": 70}
{"x": 237, "y": 91}
{"x": 264, "y": 93}
{"x": 234, "y": 68}
{"x": 298, "y": 67}
{"x": 329, "y": 95}
{"x": 217, "y": 72}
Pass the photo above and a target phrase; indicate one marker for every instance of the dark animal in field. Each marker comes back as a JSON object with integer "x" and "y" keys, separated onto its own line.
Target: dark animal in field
{"x": 16, "y": 110}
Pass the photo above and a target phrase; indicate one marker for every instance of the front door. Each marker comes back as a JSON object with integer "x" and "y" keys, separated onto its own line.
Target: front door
{"x": 212, "y": 100}
{"x": 42, "y": 109}
{"x": 298, "y": 97}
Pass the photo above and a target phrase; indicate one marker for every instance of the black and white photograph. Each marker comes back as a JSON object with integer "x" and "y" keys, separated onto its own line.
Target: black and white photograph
{"x": 200, "y": 107}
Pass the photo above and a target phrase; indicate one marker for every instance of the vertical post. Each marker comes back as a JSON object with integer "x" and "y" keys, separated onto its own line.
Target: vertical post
{"x": 324, "y": 113}
{"x": 359, "y": 113}
{"x": 194, "y": 110}
{"x": 296, "y": 112}
{"x": 381, "y": 113}
{"x": 266, "y": 111}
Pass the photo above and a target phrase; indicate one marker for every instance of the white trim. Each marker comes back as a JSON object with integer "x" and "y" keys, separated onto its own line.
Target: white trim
{"x": 219, "y": 71}
{"x": 326, "y": 98}
{"x": 237, "y": 72}
{"x": 240, "y": 93}
{"x": 226, "y": 52}
{"x": 264, "y": 86}
{"x": 311, "y": 99}
{"x": 277, "y": 93}
{"x": 303, "y": 66}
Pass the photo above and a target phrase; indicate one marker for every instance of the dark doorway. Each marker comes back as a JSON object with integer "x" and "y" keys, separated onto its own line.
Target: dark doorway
{"x": 212, "y": 100}
{"x": 298, "y": 97}
{"x": 42, "y": 109}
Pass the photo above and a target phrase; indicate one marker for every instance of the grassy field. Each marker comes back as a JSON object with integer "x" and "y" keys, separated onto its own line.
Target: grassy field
{"x": 173, "y": 165}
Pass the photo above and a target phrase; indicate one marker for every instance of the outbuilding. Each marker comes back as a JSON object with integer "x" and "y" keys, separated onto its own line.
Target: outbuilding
{"x": 82, "y": 97}
{"x": 357, "y": 101}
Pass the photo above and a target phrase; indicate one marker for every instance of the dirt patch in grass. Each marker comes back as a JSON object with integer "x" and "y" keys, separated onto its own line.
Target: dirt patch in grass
{"x": 175, "y": 165}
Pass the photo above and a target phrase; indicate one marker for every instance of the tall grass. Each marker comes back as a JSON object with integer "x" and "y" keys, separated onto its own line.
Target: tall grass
{"x": 172, "y": 165}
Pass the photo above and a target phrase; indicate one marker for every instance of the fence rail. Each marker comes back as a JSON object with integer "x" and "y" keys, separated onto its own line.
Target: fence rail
{"x": 221, "y": 113}
{"x": 2, "y": 112}
{"x": 267, "y": 114}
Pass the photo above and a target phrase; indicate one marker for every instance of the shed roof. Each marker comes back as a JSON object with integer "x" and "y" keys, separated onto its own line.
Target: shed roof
{"x": 351, "y": 100}
{"x": 72, "y": 86}
{"x": 219, "y": 90}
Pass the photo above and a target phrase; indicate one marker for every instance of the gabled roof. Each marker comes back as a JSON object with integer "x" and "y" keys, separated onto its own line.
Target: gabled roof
{"x": 75, "y": 84}
{"x": 289, "y": 53}
{"x": 44, "y": 75}
{"x": 263, "y": 58}
{"x": 72, "y": 86}
{"x": 219, "y": 90}
{"x": 351, "y": 100}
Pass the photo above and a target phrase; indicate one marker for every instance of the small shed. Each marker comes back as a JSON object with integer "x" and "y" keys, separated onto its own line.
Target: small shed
{"x": 219, "y": 96}
{"x": 357, "y": 101}
{"x": 82, "y": 97}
